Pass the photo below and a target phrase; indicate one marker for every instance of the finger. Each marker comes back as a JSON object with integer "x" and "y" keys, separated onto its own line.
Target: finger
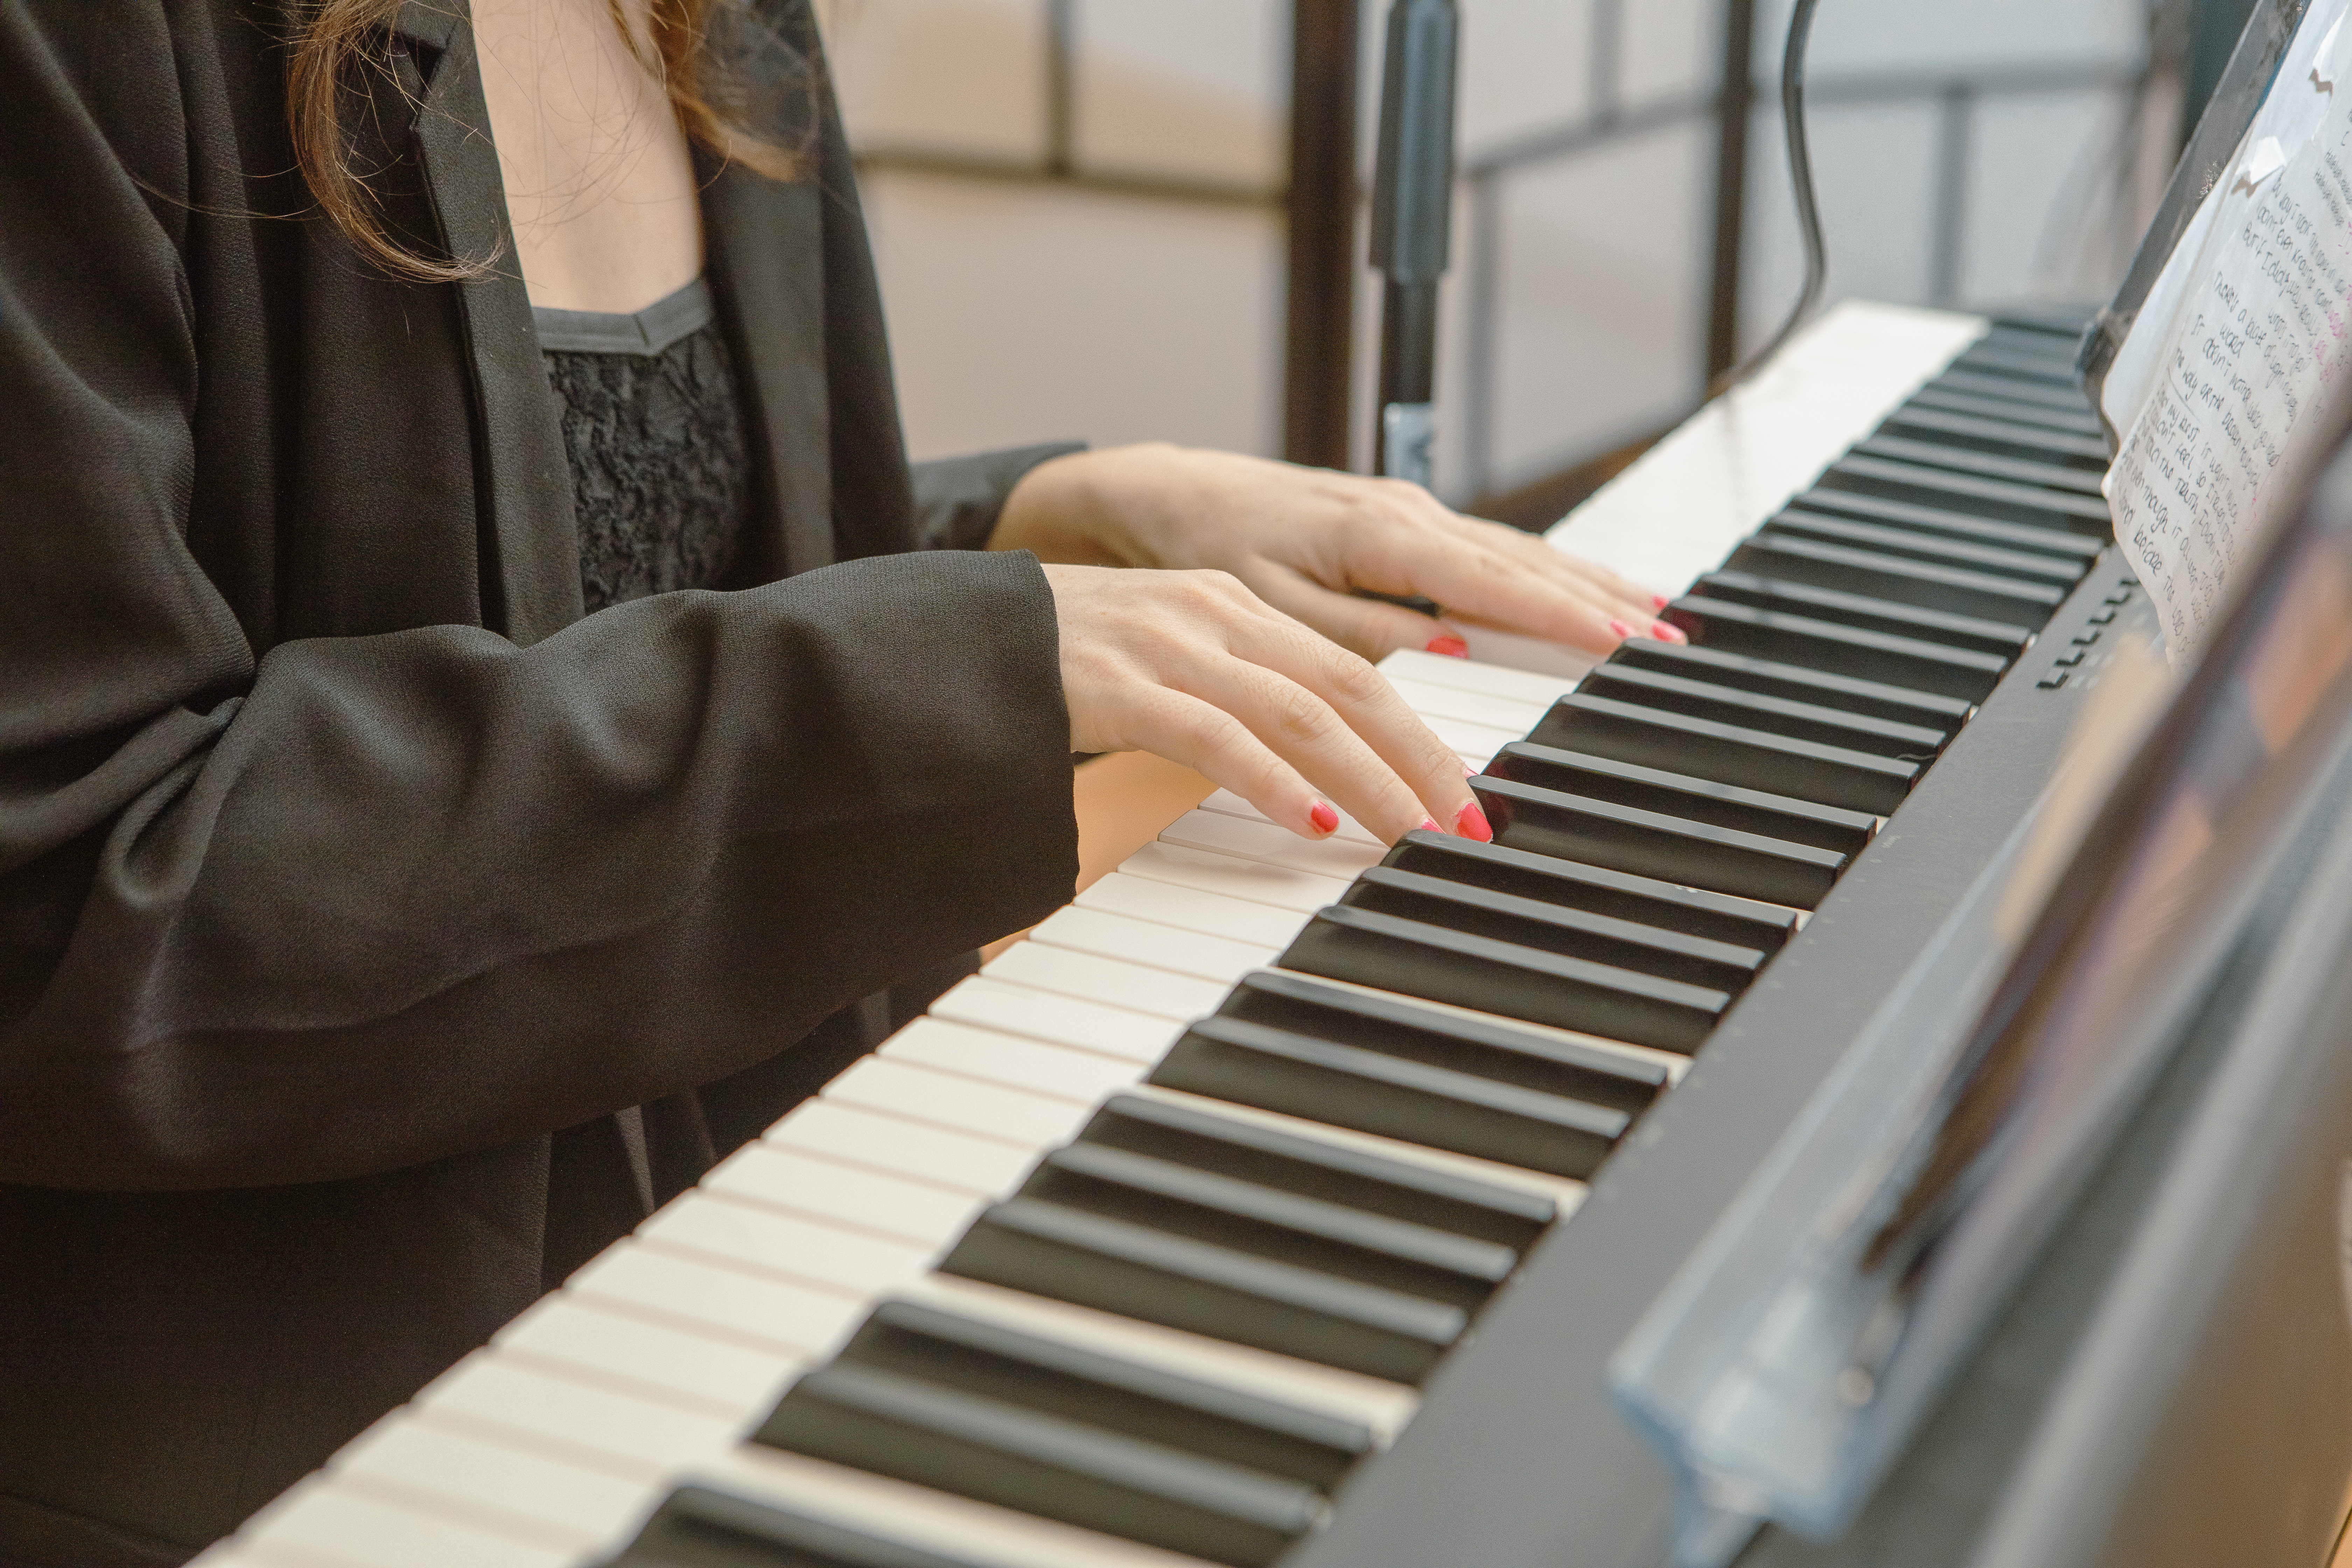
{"x": 1365, "y": 627}
{"x": 1508, "y": 551}
{"x": 1221, "y": 748}
{"x": 1353, "y": 734}
{"x": 1527, "y": 589}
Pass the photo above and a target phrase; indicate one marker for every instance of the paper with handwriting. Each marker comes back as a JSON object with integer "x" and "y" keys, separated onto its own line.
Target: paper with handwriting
{"x": 2254, "y": 356}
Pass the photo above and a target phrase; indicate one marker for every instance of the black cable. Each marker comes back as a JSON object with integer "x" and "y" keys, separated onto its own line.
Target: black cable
{"x": 1801, "y": 178}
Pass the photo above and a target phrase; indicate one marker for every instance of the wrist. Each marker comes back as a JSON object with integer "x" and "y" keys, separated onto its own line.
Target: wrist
{"x": 1083, "y": 509}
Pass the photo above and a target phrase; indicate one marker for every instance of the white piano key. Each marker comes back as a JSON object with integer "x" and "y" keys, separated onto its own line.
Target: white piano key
{"x": 1494, "y": 680}
{"x": 1383, "y": 1407}
{"x": 989, "y": 1003}
{"x": 1564, "y": 1191}
{"x": 1215, "y": 871}
{"x": 756, "y": 1237}
{"x": 771, "y": 1313}
{"x": 826, "y": 1189}
{"x": 1109, "y": 980}
{"x": 468, "y": 1477}
{"x": 1682, "y": 508}
{"x": 1151, "y": 945}
{"x": 958, "y": 1104}
{"x": 1446, "y": 702}
{"x": 1191, "y": 908}
{"x": 576, "y": 1335}
{"x": 322, "y": 1522}
{"x": 1080, "y": 1077}
{"x": 568, "y": 1415}
{"x": 1475, "y": 742}
{"x": 1263, "y": 841}
{"x": 1232, "y": 804}
{"x": 919, "y": 1517}
{"x": 956, "y": 1161}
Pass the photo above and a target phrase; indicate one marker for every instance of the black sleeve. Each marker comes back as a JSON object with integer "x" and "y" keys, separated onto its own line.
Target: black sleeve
{"x": 340, "y": 905}
{"x": 959, "y": 500}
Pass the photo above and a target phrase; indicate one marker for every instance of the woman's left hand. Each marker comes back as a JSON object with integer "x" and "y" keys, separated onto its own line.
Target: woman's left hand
{"x": 1304, "y": 539}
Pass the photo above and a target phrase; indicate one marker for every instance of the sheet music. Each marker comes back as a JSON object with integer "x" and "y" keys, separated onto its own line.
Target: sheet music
{"x": 2254, "y": 357}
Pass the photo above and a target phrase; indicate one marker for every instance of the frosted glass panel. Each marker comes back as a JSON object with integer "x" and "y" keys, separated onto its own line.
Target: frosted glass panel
{"x": 1199, "y": 88}
{"x": 954, "y": 76}
{"x": 1022, "y": 314}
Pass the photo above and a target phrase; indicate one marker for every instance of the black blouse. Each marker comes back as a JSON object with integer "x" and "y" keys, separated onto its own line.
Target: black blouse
{"x": 652, "y": 427}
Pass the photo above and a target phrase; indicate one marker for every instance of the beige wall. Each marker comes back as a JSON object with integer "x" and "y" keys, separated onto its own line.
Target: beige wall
{"x": 1022, "y": 313}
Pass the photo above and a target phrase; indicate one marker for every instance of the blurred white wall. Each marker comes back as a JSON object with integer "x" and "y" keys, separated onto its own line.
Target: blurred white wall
{"x": 1023, "y": 311}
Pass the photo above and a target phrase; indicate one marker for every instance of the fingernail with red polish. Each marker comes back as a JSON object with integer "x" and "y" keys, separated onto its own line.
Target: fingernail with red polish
{"x": 1472, "y": 823}
{"x": 1325, "y": 818}
{"x": 1659, "y": 601}
{"x": 1452, "y": 648}
{"x": 1622, "y": 629}
{"x": 1429, "y": 825}
{"x": 1666, "y": 632}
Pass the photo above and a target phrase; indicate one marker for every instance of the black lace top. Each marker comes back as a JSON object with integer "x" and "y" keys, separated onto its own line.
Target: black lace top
{"x": 661, "y": 478}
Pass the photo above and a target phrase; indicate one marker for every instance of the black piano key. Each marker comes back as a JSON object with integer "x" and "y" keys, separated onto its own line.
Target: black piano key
{"x": 1956, "y": 590}
{"x": 1867, "y": 612}
{"x": 1422, "y": 960}
{"x": 1507, "y": 1050}
{"x": 1875, "y": 697}
{"x": 2048, "y": 474}
{"x": 1370, "y": 1091}
{"x": 1733, "y": 753}
{"x": 1570, "y": 932}
{"x": 1682, "y": 797}
{"x": 1197, "y": 1136}
{"x": 1787, "y": 637}
{"x": 998, "y": 1452}
{"x": 1695, "y": 911}
{"x": 1965, "y": 492}
{"x": 2067, "y": 447}
{"x": 2072, "y": 422}
{"x": 1341, "y": 1239}
{"x": 1141, "y": 1271}
{"x": 697, "y": 1527}
{"x": 2055, "y": 331}
{"x": 1653, "y": 844}
{"x": 1382, "y": 1064}
{"x": 1940, "y": 548}
{"x": 1673, "y": 692}
{"x": 2025, "y": 537}
{"x": 2015, "y": 393}
{"x": 2002, "y": 360}
{"x": 1142, "y": 1401}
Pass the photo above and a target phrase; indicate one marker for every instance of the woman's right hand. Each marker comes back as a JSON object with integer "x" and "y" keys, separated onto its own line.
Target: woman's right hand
{"x": 1193, "y": 666}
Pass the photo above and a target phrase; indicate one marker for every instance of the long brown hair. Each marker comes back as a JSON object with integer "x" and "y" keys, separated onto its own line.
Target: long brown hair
{"x": 340, "y": 39}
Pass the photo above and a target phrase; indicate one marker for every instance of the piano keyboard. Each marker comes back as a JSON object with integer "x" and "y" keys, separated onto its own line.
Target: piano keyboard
{"x": 1147, "y": 1244}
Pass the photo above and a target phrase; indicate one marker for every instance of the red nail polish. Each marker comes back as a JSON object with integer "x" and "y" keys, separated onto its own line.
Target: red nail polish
{"x": 1659, "y": 601}
{"x": 1472, "y": 823}
{"x": 1622, "y": 629}
{"x": 1429, "y": 825}
{"x": 1452, "y": 648}
{"x": 1666, "y": 631}
{"x": 1324, "y": 817}
{"x": 1467, "y": 771}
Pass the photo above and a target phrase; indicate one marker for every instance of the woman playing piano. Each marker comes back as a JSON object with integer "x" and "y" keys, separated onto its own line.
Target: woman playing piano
{"x": 448, "y": 759}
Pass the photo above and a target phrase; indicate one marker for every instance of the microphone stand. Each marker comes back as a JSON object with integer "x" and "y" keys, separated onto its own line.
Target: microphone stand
{"x": 1412, "y": 202}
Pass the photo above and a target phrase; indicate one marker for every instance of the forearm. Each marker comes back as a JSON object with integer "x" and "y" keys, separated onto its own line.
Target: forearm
{"x": 477, "y": 891}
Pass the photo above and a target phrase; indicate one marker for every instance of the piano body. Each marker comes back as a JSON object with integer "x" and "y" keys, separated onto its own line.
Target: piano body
{"x": 1283, "y": 1202}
